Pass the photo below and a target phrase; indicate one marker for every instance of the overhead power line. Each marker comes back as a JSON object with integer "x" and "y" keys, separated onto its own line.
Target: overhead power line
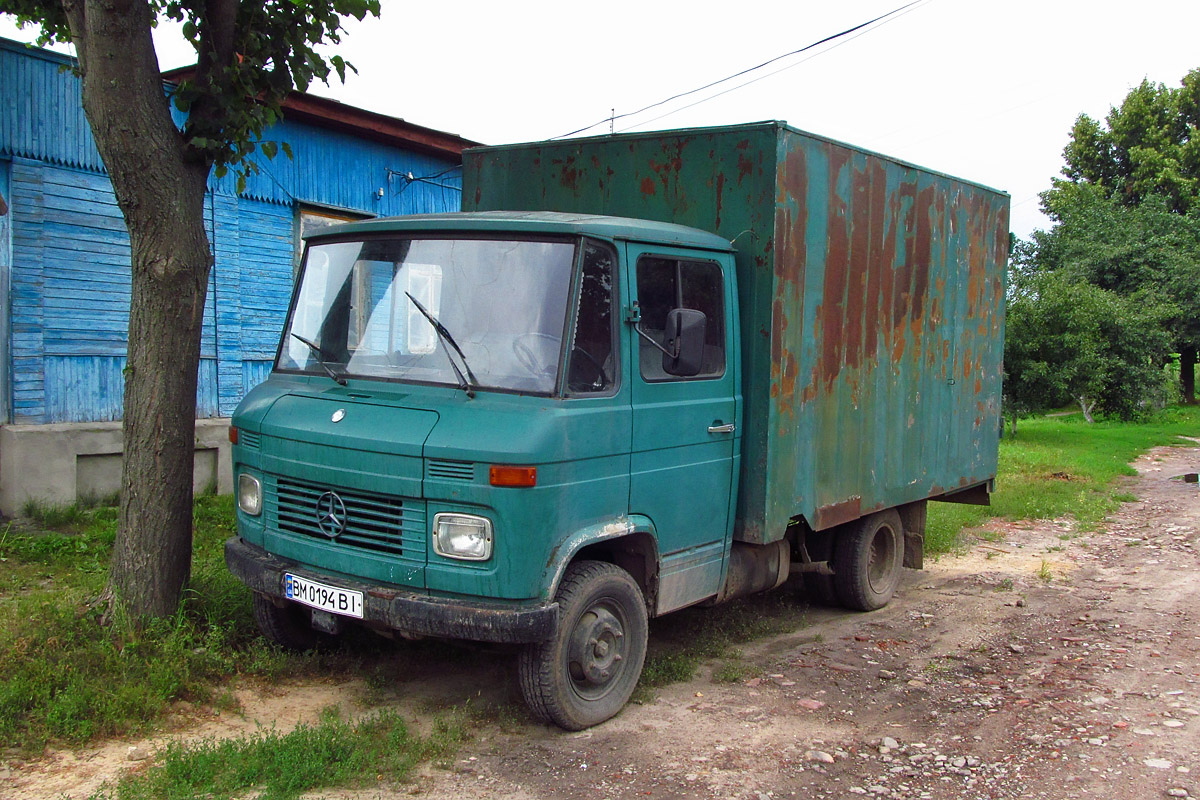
{"x": 862, "y": 31}
{"x": 610, "y": 119}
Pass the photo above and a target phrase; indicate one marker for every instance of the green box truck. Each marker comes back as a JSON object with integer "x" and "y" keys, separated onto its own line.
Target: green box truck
{"x": 638, "y": 373}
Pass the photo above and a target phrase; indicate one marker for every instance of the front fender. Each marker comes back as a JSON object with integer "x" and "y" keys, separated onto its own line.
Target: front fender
{"x": 613, "y": 529}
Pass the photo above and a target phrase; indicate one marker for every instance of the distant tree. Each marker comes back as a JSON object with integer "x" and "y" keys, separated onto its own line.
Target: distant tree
{"x": 1128, "y": 207}
{"x": 1148, "y": 146}
{"x": 249, "y": 56}
{"x": 1145, "y": 250}
{"x": 1069, "y": 341}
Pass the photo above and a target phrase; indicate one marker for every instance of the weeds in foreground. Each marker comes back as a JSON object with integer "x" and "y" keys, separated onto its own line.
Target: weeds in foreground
{"x": 377, "y": 750}
{"x": 69, "y": 678}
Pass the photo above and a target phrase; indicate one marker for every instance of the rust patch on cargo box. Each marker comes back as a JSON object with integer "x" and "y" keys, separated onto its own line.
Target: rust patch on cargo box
{"x": 568, "y": 175}
{"x": 838, "y": 513}
{"x": 720, "y": 199}
{"x": 792, "y": 227}
{"x": 831, "y": 312}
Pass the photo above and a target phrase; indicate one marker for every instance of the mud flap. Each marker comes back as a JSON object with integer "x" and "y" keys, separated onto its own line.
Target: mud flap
{"x": 912, "y": 517}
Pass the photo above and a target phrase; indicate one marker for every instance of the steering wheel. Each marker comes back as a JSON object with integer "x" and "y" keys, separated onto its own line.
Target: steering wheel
{"x": 601, "y": 379}
{"x": 528, "y": 359}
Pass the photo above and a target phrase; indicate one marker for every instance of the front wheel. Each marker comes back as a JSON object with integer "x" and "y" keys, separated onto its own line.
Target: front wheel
{"x": 869, "y": 555}
{"x": 289, "y": 626}
{"x": 587, "y": 672}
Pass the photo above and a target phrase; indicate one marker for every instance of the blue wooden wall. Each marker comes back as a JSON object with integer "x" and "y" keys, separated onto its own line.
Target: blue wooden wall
{"x": 5, "y": 276}
{"x": 70, "y": 251}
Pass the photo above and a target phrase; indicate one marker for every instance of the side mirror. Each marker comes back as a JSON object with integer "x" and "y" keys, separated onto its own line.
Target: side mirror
{"x": 685, "y": 338}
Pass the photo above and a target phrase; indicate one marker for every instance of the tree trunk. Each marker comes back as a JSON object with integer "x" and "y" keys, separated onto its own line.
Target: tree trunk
{"x": 1086, "y": 405}
{"x": 160, "y": 189}
{"x": 1187, "y": 374}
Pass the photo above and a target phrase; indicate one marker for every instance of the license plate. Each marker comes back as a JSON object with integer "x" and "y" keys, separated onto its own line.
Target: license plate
{"x": 322, "y": 596}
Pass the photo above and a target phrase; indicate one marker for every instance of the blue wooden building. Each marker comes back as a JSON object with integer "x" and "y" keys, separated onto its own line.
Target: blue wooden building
{"x": 64, "y": 266}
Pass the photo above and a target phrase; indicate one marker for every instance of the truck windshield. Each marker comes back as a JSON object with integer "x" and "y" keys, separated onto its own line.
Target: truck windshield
{"x": 503, "y": 302}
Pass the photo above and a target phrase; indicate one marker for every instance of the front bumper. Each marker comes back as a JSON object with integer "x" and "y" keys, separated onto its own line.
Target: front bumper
{"x": 402, "y": 610}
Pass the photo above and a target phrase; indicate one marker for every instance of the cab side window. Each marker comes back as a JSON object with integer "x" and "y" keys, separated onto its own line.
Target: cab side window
{"x": 665, "y": 283}
{"x": 592, "y": 366}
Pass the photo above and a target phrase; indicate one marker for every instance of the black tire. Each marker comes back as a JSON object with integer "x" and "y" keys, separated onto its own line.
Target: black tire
{"x": 869, "y": 555}
{"x": 818, "y": 588}
{"x": 586, "y": 673}
{"x": 289, "y": 627}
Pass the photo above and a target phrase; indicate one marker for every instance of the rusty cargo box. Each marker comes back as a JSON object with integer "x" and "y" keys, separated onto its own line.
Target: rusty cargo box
{"x": 871, "y": 297}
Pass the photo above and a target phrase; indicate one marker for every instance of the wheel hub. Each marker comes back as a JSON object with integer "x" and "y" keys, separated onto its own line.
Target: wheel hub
{"x": 596, "y": 649}
{"x": 879, "y": 563}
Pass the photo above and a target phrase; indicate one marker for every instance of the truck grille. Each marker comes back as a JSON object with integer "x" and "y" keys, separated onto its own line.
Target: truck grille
{"x": 360, "y": 519}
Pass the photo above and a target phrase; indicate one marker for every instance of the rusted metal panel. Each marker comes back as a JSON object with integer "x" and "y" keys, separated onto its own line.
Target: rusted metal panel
{"x": 871, "y": 294}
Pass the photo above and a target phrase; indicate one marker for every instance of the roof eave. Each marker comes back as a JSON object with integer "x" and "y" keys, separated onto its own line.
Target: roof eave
{"x": 333, "y": 115}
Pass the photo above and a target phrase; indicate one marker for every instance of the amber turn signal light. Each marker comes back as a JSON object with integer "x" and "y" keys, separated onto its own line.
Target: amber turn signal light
{"x": 521, "y": 477}
{"x": 232, "y": 435}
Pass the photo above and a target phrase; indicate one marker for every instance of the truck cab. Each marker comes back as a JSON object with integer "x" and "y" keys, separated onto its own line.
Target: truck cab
{"x": 513, "y": 427}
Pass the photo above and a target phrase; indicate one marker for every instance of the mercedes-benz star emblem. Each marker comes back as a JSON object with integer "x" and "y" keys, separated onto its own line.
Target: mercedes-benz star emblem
{"x": 339, "y": 415}
{"x": 331, "y": 515}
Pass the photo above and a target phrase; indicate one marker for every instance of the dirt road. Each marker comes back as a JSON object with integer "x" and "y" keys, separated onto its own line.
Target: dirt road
{"x": 1038, "y": 664}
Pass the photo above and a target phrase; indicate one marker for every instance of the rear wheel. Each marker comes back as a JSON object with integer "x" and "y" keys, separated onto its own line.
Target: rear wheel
{"x": 290, "y": 627}
{"x": 587, "y": 672}
{"x": 869, "y": 555}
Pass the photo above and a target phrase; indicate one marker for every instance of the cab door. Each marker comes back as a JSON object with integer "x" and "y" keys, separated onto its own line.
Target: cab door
{"x": 685, "y": 428}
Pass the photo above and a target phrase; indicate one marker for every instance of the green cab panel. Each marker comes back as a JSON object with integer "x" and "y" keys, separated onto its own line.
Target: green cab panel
{"x": 319, "y": 438}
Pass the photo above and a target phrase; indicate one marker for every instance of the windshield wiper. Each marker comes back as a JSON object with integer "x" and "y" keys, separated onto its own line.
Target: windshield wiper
{"x": 446, "y": 338}
{"x": 321, "y": 355}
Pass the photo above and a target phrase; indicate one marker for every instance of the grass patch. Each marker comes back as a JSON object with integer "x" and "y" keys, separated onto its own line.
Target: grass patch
{"x": 733, "y": 672}
{"x": 67, "y": 678}
{"x": 280, "y": 766}
{"x": 1062, "y": 465}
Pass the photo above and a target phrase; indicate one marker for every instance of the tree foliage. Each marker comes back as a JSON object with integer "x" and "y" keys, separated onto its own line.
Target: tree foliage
{"x": 1073, "y": 342}
{"x": 249, "y": 55}
{"x": 1149, "y": 146}
{"x": 1126, "y": 224}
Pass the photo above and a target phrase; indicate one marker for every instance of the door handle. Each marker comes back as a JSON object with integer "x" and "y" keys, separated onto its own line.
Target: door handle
{"x": 726, "y": 428}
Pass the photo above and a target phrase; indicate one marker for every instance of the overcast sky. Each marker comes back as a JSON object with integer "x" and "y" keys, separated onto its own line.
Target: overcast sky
{"x": 981, "y": 90}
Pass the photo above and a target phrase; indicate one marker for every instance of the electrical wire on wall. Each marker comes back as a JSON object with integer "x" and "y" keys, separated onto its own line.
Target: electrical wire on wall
{"x": 409, "y": 179}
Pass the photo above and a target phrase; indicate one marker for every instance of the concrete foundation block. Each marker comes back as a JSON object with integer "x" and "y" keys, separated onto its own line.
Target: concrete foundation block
{"x": 64, "y": 463}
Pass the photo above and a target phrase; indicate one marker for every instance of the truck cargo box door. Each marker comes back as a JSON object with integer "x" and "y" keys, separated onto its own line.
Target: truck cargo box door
{"x": 684, "y": 427}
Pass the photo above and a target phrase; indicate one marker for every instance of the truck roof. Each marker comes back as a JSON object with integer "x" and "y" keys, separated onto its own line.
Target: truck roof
{"x": 536, "y": 222}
